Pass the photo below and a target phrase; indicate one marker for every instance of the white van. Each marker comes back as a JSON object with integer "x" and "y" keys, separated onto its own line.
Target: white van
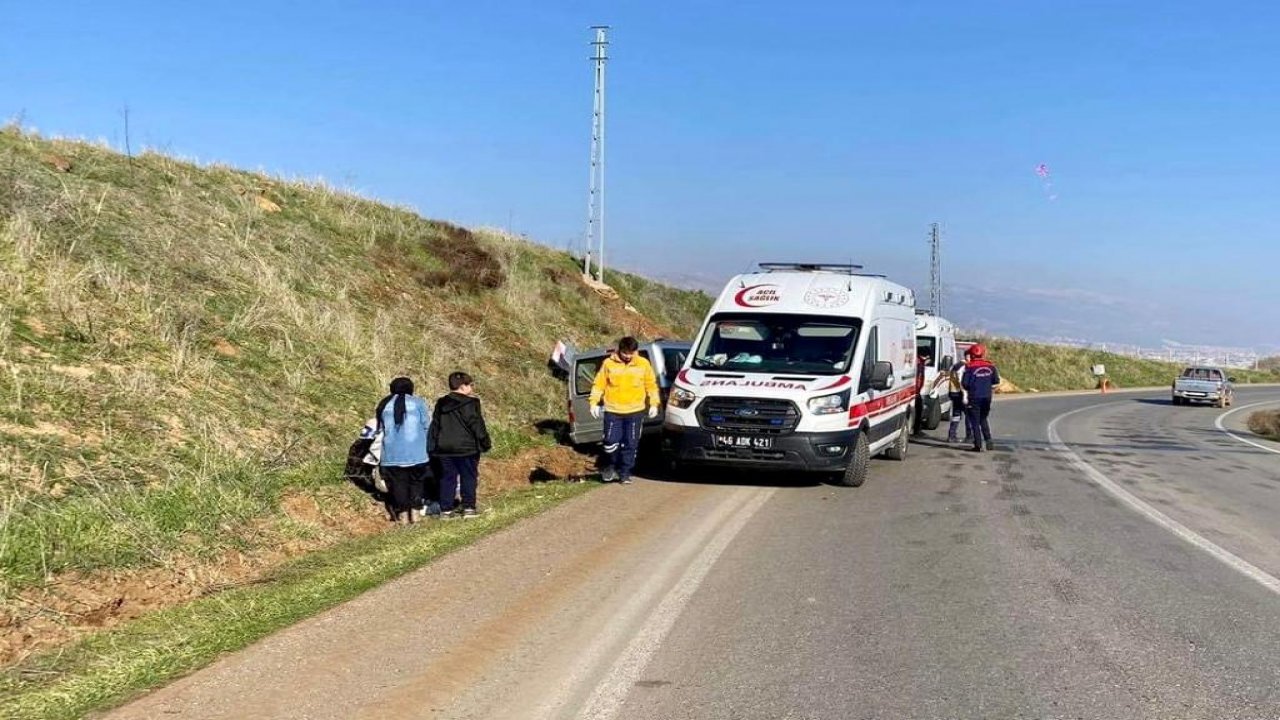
{"x": 936, "y": 344}
{"x": 798, "y": 367}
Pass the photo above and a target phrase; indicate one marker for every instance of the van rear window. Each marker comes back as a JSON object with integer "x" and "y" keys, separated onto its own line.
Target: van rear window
{"x": 584, "y": 374}
{"x": 1202, "y": 374}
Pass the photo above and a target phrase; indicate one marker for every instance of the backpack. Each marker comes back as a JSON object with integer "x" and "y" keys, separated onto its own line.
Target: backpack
{"x": 362, "y": 459}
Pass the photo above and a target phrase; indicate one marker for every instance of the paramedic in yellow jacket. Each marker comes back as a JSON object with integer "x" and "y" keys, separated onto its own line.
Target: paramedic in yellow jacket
{"x": 629, "y": 390}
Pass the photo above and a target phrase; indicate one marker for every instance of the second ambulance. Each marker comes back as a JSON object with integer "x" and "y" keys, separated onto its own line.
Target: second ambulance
{"x": 798, "y": 367}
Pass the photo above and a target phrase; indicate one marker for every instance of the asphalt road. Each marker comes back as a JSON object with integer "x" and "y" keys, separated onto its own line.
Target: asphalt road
{"x": 1115, "y": 557}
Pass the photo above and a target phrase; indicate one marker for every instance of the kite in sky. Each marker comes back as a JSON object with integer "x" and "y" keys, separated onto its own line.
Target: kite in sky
{"x": 1042, "y": 171}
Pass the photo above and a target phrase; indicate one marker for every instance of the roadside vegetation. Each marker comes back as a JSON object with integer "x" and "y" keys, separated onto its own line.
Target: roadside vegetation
{"x": 102, "y": 670}
{"x": 1266, "y": 423}
{"x": 186, "y": 352}
{"x": 1030, "y": 367}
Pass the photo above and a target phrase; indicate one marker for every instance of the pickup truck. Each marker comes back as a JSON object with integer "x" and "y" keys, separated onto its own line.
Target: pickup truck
{"x": 1201, "y": 384}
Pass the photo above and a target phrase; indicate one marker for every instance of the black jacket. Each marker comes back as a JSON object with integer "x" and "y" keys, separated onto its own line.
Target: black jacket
{"x": 457, "y": 427}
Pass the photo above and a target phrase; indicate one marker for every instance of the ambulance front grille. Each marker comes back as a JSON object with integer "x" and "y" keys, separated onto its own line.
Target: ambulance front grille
{"x": 748, "y": 416}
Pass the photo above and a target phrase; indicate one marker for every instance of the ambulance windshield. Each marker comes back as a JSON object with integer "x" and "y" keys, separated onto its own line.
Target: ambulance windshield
{"x": 777, "y": 343}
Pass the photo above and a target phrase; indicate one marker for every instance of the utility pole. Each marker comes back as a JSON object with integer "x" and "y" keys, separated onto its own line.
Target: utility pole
{"x": 595, "y": 192}
{"x": 935, "y": 270}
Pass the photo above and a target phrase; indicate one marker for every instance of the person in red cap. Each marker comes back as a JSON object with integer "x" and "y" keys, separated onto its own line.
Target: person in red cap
{"x": 980, "y": 380}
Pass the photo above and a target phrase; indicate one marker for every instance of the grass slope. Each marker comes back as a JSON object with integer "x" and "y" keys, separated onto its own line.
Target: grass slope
{"x": 105, "y": 669}
{"x": 181, "y": 346}
{"x": 1044, "y": 368}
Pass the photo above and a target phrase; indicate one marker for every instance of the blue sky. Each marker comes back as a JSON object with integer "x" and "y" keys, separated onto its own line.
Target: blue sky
{"x": 744, "y": 131}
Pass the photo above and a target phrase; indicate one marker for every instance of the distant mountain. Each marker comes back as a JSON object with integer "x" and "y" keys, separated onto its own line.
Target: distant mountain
{"x": 1067, "y": 315}
{"x": 1085, "y": 316}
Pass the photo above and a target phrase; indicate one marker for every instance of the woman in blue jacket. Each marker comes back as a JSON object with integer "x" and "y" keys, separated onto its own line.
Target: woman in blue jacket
{"x": 403, "y": 419}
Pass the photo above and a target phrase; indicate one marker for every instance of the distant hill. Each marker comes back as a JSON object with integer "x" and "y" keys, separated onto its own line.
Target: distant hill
{"x": 1032, "y": 367}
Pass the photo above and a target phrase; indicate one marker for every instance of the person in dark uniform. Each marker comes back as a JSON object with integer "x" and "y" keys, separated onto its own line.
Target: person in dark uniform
{"x": 980, "y": 380}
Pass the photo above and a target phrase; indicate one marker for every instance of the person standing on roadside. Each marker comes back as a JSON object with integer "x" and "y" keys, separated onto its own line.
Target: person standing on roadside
{"x": 403, "y": 419}
{"x": 458, "y": 437}
{"x": 953, "y": 378}
{"x": 979, "y": 382}
{"x": 628, "y": 389}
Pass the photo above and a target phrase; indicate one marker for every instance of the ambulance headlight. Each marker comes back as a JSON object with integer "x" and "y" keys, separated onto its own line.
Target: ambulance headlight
{"x": 830, "y": 404}
{"x": 681, "y": 398}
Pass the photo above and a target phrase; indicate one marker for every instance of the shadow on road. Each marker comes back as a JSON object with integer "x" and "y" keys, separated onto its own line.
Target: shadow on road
{"x": 738, "y": 478}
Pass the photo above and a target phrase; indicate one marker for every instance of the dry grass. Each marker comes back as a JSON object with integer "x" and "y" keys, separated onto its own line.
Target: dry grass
{"x": 1266, "y": 423}
{"x": 196, "y": 341}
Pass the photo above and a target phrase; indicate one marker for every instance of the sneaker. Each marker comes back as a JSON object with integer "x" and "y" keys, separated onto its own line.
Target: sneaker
{"x": 608, "y": 475}
{"x": 468, "y": 513}
{"x": 450, "y": 514}
{"x": 626, "y": 481}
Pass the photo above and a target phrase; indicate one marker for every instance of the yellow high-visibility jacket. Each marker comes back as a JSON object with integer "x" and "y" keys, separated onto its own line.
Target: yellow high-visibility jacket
{"x": 625, "y": 387}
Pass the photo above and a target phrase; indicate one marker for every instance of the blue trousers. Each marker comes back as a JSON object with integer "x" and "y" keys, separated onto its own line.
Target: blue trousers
{"x": 958, "y": 413}
{"x": 622, "y": 441}
{"x": 978, "y": 411}
{"x": 464, "y": 471}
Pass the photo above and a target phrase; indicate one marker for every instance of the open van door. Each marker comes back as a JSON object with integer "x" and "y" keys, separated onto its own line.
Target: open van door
{"x": 583, "y": 428}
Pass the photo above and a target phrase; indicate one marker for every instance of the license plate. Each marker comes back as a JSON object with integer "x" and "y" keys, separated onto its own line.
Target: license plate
{"x": 744, "y": 441}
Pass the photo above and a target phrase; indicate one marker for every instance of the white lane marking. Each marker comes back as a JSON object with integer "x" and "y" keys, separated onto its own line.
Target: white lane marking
{"x": 1235, "y": 562}
{"x": 1218, "y": 424}
{"x": 609, "y": 695}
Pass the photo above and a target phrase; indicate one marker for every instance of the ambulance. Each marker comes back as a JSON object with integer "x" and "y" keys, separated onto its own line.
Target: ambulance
{"x": 798, "y": 367}
{"x": 936, "y": 351}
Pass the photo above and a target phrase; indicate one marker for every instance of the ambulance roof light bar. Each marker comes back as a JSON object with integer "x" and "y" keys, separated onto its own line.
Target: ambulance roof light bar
{"x": 810, "y": 267}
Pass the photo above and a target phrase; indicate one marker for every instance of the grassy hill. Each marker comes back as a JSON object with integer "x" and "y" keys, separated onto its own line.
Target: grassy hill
{"x": 1043, "y": 368}
{"x": 186, "y": 351}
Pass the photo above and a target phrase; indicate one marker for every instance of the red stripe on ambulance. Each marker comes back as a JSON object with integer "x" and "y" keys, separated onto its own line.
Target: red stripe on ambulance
{"x": 880, "y": 405}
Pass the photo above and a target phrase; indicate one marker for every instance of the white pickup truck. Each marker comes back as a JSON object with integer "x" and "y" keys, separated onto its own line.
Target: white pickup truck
{"x": 1201, "y": 384}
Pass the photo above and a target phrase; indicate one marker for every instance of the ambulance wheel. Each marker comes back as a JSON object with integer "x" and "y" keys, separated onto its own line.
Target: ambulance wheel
{"x": 898, "y": 450}
{"x": 935, "y": 417}
{"x": 856, "y": 472}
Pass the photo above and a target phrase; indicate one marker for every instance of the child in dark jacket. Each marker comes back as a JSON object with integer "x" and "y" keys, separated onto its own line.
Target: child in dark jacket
{"x": 458, "y": 435}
